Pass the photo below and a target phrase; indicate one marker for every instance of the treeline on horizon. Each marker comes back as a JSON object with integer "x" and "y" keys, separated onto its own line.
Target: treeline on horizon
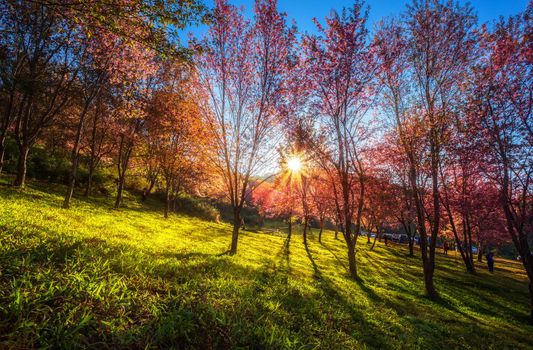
{"x": 424, "y": 123}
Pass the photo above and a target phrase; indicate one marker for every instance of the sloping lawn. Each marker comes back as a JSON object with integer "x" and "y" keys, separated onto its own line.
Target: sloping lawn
{"x": 94, "y": 277}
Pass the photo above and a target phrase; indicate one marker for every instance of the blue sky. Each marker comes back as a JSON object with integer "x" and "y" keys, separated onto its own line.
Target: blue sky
{"x": 303, "y": 11}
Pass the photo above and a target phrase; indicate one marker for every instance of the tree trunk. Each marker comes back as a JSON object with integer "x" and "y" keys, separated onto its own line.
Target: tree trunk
{"x": 479, "y": 253}
{"x": 519, "y": 237}
{"x": 121, "y": 183}
{"x": 470, "y": 268}
{"x": 236, "y": 227}
{"x": 428, "y": 267}
{"x": 305, "y": 230}
{"x": 92, "y": 160}
{"x": 147, "y": 192}
{"x": 88, "y": 187}
{"x": 71, "y": 178}
{"x": 122, "y": 167}
{"x": 321, "y": 229}
{"x": 75, "y": 157}
{"x": 468, "y": 261}
{"x": 374, "y": 243}
{"x": 434, "y": 146}
{"x": 336, "y": 231}
{"x": 4, "y": 126}
{"x": 20, "y": 180}
{"x": 2, "y": 151}
{"x": 531, "y": 299}
{"x": 410, "y": 235}
{"x": 351, "y": 258}
{"x": 290, "y": 227}
{"x": 428, "y": 280}
{"x": 167, "y": 200}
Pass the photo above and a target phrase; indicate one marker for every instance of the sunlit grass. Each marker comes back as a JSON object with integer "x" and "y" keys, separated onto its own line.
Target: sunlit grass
{"x": 96, "y": 277}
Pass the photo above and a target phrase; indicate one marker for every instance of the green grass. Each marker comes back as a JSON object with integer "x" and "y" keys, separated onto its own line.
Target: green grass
{"x": 93, "y": 277}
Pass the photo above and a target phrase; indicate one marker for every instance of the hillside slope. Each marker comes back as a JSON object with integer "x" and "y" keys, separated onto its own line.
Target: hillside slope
{"x": 101, "y": 278}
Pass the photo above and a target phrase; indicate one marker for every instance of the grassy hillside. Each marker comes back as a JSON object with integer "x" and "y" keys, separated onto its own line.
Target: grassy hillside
{"x": 101, "y": 278}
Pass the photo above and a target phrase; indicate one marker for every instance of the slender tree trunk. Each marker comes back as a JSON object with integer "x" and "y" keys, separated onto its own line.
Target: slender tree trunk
{"x": 531, "y": 299}
{"x": 351, "y": 257}
{"x": 428, "y": 265}
{"x": 305, "y": 229}
{"x": 88, "y": 187}
{"x": 71, "y": 178}
{"x": 470, "y": 267}
{"x": 20, "y": 179}
{"x": 410, "y": 235}
{"x": 428, "y": 259}
{"x": 92, "y": 160}
{"x": 167, "y": 200}
{"x": 121, "y": 183}
{"x": 122, "y": 167}
{"x": 427, "y": 253}
{"x": 375, "y": 238}
{"x": 479, "y": 252}
{"x": 75, "y": 157}
{"x": 236, "y": 227}
{"x": 147, "y": 192}
{"x": 290, "y": 227}
{"x": 2, "y": 151}
{"x": 336, "y": 231}
{"x": 519, "y": 238}
{"x": 411, "y": 246}
{"x": 469, "y": 247}
{"x": 527, "y": 261}
{"x": 4, "y": 125}
{"x": 463, "y": 252}
{"x": 321, "y": 229}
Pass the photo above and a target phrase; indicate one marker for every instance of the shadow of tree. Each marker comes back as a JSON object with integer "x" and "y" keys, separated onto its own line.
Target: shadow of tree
{"x": 93, "y": 293}
{"x": 334, "y": 255}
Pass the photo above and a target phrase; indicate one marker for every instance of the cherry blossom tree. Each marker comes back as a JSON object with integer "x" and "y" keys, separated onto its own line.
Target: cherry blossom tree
{"x": 501, "y": 109}
{"x": 38, "y": 75}
{"x": 340, "y": 69}
{"x": 174, "y": 130}
{"x": 423, "y": 60}
{"x": 241, "y": 72}
{"x": 107, "y": 59}
{"x": 99, "y": 144}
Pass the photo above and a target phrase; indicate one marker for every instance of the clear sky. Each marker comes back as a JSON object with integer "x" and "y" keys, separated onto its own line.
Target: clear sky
{"x": 303, "y": 11}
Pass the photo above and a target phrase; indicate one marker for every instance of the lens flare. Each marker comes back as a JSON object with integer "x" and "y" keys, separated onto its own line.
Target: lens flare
{"x": 295, "y": 164}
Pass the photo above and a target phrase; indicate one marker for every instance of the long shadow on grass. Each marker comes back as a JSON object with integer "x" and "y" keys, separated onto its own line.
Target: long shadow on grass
{"x": 334, "y": 255}
{"x": 185, "y": 298}
{"x": 196, "y": 300}
{"x": 370, "y": 336}
{"x": 284, "y": 254}
{"x": 467, "y": 295}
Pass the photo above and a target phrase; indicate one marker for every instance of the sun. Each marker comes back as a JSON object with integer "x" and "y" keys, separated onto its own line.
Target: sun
{"x": 294, "y": 164}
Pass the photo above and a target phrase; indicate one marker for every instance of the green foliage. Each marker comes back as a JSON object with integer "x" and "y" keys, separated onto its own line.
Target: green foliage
{"x": 53, "y": 165}
{"x": 249, "y": 214}
{"x": 197, "y": 207}
{"x": 93, "y": 277}
{"x": 43, "y": 164}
